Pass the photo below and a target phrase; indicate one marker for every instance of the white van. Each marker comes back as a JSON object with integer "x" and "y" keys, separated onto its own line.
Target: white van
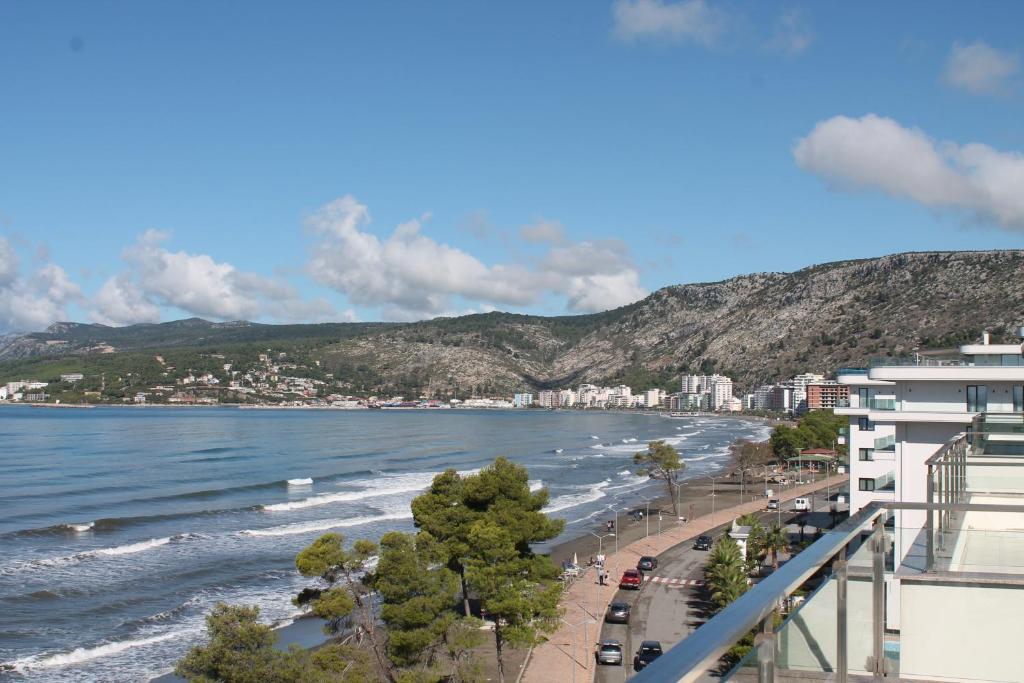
{"x": 801, "y": 504}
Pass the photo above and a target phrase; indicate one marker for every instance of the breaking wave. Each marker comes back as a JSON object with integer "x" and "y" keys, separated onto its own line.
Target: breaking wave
{"x": 323, "y": 525}
{"x": 84, "y": 654}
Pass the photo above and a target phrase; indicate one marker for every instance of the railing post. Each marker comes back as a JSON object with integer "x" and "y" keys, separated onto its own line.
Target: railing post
{"x": 878, "y": 596}
{"x": 840, "y": 569}
{"x": 930, "y": 526}
{"x": 765, "y": 643}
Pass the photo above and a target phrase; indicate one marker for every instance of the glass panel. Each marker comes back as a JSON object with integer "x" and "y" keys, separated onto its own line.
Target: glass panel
{"x": 1018, "y": 398}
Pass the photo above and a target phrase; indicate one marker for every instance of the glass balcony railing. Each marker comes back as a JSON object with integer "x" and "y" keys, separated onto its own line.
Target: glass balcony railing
{"x": 886, "y": 443}
{"x": 882, "y": 403}
{"x": 919, "y": 362}
{"x": 843, "y": 403}
{"x": 826, "y": 613}
{"x": 852, "y": 371}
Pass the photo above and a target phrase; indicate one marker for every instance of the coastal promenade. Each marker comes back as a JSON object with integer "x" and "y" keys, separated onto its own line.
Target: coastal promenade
{"x": 568, "y": 654}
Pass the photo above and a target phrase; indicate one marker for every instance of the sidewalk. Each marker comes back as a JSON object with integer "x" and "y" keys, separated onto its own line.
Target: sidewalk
{"x": 568, "y": 654}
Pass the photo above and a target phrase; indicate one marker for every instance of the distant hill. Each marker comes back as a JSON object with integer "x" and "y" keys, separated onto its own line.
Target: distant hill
{"x": 755, "y": 328}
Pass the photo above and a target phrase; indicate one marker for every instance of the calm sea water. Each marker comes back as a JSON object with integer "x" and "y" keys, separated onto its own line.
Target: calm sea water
{"x": 121, "y": 527}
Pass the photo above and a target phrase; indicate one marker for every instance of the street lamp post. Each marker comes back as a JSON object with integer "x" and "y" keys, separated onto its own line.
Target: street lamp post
{"x": 600, "y": 541}
{"x": 574, "y": 627}
{"x": 713, "y": 496}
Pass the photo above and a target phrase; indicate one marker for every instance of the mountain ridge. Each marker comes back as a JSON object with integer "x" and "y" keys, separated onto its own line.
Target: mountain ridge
{"x": 757, "y": 328}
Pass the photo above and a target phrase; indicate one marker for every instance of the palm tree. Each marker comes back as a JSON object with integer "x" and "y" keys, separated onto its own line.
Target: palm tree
{"x": 725, "y": 572}
{"x": 775, "y": 539}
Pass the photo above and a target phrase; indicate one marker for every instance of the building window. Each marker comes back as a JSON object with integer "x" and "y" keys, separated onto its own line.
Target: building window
{"x": 865, "y": 425}
{"x": 977, "y": 398}
{"x": 866, "y": 484}
{"x": 867, "y": 454}
{"x": 862, "y": 397}
{"x": 1018, "y": 398}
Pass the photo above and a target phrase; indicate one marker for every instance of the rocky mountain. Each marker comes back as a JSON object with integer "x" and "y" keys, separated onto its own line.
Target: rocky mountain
{"x": 755, "y": 328}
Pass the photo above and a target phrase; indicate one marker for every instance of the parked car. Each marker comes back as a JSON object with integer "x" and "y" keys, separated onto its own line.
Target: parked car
{"x": 647, "y": 563}
{"x": 631, "y": 578}
{"x": 773, "y": 504}
{"x": 703, "y": 543}
{"x": 648, "y": 652}
{"x": 609, "y": 652}
{"x": 618, "y": 613}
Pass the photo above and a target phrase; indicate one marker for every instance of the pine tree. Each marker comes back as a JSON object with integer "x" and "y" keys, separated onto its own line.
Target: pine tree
{"x": 661, "y": 461}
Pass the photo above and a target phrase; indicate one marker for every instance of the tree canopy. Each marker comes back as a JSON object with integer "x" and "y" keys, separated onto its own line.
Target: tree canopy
{"x": 661, "y": 461}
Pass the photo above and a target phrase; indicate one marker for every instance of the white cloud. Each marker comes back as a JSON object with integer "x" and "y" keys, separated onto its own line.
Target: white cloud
{"x": 198, "y": 285}
{"x": 874, "y": 152}
{"x": 686, "y": 20}
{"x": 793, "y": 33}
{"x": 587, "y": 258}
{"x": 411, "y": 276}
{"x": 979, "y": 68}
{"x": 120, "y": 302}
{"x": 543, "y": 231}
{"x": 31, "y": 303}
{"x": 192, "y": 282}
{"x": 600, "y": 292}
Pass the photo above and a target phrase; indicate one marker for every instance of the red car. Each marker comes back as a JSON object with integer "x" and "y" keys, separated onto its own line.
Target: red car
{"x": 631, "y": 578}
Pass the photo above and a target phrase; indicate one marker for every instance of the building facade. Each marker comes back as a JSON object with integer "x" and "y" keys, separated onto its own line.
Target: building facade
{"x": 826, "y": 395}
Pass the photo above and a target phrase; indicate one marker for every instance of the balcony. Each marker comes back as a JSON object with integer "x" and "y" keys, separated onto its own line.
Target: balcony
{"x": 882, "y": 403}
{"x": 856, "y": 621}
{"x": 886, "y": 443}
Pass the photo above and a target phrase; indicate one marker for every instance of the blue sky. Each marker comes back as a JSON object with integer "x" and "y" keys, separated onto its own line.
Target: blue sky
{"x": 402, "y": 160}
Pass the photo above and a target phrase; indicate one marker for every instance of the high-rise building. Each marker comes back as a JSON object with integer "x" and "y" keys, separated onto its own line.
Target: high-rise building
{"x": 826, "y": 394}
{"x": 522, "y": 400}
{"x": 799, "y": 384}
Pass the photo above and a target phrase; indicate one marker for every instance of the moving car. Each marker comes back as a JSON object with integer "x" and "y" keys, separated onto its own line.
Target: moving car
{"x": 647, "y": 563}
{"x": 801, "y": 504}
{"x": 648, "y": 652}
{"x": 609, "y": 652}
{"x": 618, "y": 613}
{"x": 703, "y": 543}
{"x": 631, "y": 578}
{"x": 773, "y": 504}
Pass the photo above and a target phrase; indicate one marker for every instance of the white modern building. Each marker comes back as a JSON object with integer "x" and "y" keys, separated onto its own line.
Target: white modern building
{"x": 522, "y": 400}
{"x": 548, "y": 399}
{"x": 903, "y": 412}
{"x": 715, "y": 391}
{"x": 799, "y": 384}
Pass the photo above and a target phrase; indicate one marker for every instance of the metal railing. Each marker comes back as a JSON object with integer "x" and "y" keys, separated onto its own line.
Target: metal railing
{"x": 919, "y": 362}
{"x": 703, "y": 650}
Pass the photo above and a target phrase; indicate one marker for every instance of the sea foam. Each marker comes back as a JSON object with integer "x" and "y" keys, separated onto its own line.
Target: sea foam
{"x": 323, "y": 525}
{"x": 84, "y": 654}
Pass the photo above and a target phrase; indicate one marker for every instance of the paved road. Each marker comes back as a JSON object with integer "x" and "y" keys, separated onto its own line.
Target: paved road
{"x": 668, "y": 607}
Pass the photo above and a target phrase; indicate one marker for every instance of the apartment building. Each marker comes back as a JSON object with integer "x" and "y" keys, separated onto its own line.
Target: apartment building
{"x": 826, "y": 394}
{"x": 799, "y": 384}
{"x": 903, "y": 411}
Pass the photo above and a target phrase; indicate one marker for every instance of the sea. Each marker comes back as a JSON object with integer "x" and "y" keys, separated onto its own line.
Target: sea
{"x": 121, "y": 527}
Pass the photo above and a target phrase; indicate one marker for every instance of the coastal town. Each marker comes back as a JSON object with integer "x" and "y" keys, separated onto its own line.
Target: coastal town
{"x": 275, "y": 380}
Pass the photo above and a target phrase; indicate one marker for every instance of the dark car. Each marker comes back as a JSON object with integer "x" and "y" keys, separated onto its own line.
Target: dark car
{"x": 647, "y": 563}
{"x": 703, "y": 543}
{"x": 618, "y": 613}
{"x": 631, "y": 578}
{"x": 648, "y": 652}
{"x": 609, "y": 652}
